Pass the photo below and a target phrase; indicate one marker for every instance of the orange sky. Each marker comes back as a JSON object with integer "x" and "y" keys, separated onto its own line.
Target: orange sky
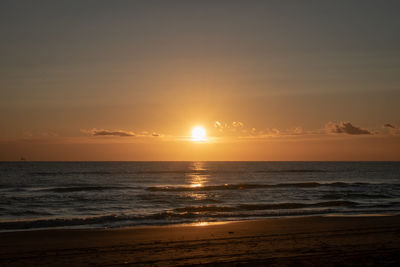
{"x": 278, "y": 80}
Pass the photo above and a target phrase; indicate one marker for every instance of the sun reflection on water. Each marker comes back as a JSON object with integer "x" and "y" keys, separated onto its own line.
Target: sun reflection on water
{"x": 197, "y": 178}
{"x": 198, "y": 175}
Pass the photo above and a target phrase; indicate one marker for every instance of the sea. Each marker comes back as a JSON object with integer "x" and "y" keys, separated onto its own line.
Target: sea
{"x": 48, "y": 195}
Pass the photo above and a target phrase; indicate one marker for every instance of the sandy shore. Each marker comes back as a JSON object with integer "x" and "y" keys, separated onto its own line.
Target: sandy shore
{"x": 315, "y": 241}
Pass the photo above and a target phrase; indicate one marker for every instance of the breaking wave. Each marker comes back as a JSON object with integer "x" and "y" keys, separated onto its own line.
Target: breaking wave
{"x": 267, "y": 206}
{"x": 252, "y": 186}
{"x": 83, "y": 188}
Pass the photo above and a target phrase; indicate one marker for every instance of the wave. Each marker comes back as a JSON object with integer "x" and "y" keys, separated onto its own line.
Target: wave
{"x": 29, "y": 213}
{"x": 62, "y": 173}
{"x": 347, "y": 195}
{"x": 67, "y": 173}
{"x": 253, "y": 186}
{"x": 101, "y": 220}
{"x": 198, "y": 172}
{"x": 84, "y": 188}
{"x": 250, "y": 207}
{"x": 57, "y": 222}
{"x": 166, "y": 217}
{"x": 290, "y": 171}
{"x": 170, "y": 217}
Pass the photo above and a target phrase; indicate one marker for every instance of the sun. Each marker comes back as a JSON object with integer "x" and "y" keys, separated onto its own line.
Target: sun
{"x": 199, "y": 134}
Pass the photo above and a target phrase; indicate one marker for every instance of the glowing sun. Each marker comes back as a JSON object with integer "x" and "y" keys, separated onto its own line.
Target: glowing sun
{"x": 198, "y": 134}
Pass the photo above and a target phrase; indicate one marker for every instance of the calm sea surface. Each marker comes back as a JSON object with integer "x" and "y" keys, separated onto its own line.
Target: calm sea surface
{"x": 117, "y": 194}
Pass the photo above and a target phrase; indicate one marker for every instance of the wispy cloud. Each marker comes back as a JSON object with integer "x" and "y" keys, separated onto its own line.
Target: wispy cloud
{"x": 103, "y": 132}
{"x": 239, "y": 129}
{"x": 121, "y": 133}
{"x": 229, "y": 127}
{"x": 345, "y": 128}
{"x": 391, "y": 129}
{"x": 281, "y": 133}
{"x": 388, "y": 125}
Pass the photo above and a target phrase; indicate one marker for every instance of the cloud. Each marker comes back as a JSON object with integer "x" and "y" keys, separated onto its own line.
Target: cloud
{"x": 120, "y": 133}
{"x": 346, "y": 128}
{"x": 237, "y": 124}
{"x": 275, "y": 132}
{"x": 220, "y": 126}
{"x": 233, "y": 126}
{"x": 297, "y": 130}
{"x": 388, "y": 125}
{"x": 391, "y": 129}
{"x": 241, "y": 130}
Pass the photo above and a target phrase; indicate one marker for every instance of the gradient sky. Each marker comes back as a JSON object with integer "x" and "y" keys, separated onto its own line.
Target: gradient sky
{"x": 269, "y": 80}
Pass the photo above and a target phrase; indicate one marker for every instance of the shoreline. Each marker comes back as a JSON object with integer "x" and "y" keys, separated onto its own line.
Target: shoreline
{"x": 180, "y": 224}
{"x": 315, "y": 240}
{"x": 199, "y": 223}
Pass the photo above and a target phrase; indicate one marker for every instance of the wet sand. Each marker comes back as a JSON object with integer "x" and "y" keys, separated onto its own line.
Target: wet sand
{"x": 309, "y": 241}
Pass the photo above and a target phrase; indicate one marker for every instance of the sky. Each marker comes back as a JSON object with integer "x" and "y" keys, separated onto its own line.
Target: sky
{"x": 268, "y": 80}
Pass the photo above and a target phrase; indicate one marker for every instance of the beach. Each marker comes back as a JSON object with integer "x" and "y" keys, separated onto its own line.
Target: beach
{"x": 310, "y": 241}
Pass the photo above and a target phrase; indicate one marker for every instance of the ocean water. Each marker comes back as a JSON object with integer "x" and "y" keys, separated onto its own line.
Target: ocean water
{"x": 117, "y": 194}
